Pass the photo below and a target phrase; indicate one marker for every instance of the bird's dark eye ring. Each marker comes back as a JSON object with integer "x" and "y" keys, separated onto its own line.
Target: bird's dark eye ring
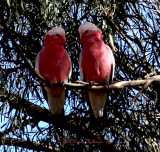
{"x": 57, "y": 35}
{"x": 87, "y": 31}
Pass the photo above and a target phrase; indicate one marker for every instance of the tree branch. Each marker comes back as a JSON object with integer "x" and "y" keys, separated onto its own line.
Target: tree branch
{"x": 114, "y": 85}
{"x": 70, "y": 123}
{"x": 148, "y": 82}
{"x": 155, "y": 8}
{"x": 18, "y": 49}
{"x": 26, "y": 144}
{"x": 118, "y": 85}
{"x": 42, "y": 114}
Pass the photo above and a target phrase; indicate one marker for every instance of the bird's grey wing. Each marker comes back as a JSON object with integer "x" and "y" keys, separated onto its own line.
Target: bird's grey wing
{"x": 37, "y": 62}
{"x": 80, "y": 67}
{"x": 41, "y": 83}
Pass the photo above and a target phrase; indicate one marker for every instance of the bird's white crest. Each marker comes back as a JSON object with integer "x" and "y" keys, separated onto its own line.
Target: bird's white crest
{"x": 56, "y": 30}
{"x": 87, "y": 26}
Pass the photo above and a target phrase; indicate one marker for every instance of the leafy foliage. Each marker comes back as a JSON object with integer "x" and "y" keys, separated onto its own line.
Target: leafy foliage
{"x": 130, "y": 28}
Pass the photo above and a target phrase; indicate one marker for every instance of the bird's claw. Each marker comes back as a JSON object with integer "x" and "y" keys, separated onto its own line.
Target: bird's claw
{"x": 91, "y": 83}
{"x": 53, "y": 84}
{"x": 106, "y": 82}
{"x": 62, "y": 83}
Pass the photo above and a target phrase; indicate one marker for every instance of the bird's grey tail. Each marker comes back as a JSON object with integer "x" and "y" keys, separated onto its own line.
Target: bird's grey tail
{"x": 56, "y": 99}
{"x": 97, "y": 100}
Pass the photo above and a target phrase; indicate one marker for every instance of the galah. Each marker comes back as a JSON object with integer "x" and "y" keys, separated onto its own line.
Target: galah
{"x": 54, "y": 64}
{"x": 97, "y": 64}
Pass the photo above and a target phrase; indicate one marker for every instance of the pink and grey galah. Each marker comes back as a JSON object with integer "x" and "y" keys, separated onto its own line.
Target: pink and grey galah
{"x": 54, "y": 64}
{"x": 97, "y": 64}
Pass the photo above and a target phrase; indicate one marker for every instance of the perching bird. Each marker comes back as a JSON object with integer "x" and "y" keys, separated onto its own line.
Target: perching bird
{"x": 97, "y": 64}
{"x": 54, "y": 64}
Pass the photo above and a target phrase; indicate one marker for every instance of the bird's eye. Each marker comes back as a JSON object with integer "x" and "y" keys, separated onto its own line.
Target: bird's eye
{"x": 87, "y": 31}
{"x": 57, "y": 35}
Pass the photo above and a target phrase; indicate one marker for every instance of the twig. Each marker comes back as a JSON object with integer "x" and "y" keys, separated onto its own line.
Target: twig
{"x": 148, "y": 82}
{"x": 32, "y": 68}
{"x": 19, "y": 50}
{"x": 123, "y": 35}
{"x": 155, "y": 8}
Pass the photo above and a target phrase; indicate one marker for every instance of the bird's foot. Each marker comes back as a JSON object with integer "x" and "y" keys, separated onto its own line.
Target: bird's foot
{"x": 106, "y": 82}
{"x": 91, "y": 83}
{"x": 62, "y": 83}
{"x": 115, "y": 81}
{"x": 52, "y": 84}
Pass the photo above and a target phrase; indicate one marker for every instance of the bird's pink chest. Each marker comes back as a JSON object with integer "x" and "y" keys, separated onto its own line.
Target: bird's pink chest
{"x": 96, "y": 63}
{"x": 54, "y": 67}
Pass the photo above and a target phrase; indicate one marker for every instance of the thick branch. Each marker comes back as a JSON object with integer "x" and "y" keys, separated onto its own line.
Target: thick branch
{"x": 42, "y": 114}
{"x": 70, "y": 123}
{"x": 25, "y": 144}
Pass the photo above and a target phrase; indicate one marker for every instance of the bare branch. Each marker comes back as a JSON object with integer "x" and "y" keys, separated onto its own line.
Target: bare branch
{"x": 115, "y": 85}
{"x": 148, "y": 82}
